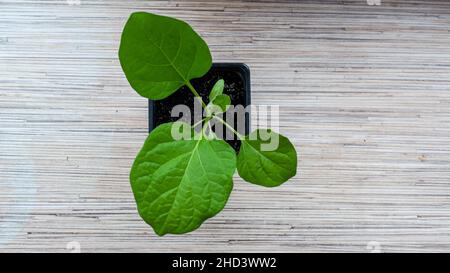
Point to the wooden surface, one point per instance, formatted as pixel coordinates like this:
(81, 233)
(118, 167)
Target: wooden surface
(364, 92)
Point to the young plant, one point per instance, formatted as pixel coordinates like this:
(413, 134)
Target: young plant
(178, 184)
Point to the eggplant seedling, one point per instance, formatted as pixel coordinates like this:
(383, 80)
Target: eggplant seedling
(179, 183)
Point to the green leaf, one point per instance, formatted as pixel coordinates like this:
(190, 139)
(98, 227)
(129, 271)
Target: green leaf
(217, 89)
(265, 161)
(223, 101)
(218, 105)
(160, 54)
(178, 184)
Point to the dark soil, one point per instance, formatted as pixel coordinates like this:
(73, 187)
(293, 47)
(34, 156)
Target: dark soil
(234, 87)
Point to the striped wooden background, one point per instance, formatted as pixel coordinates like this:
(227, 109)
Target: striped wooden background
(364, 92)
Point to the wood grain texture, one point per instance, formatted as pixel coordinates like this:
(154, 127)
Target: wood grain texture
(364, 92)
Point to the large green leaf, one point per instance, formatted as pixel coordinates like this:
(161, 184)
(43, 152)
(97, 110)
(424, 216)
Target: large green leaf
(160, 54)
(178, 184)
(266, 164)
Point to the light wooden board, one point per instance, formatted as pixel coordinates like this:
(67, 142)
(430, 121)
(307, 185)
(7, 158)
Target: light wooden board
(364, 92)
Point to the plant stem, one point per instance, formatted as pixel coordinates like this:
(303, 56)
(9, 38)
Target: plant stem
(188, 83)
(204, 126)
(197, 123)
(241, 137)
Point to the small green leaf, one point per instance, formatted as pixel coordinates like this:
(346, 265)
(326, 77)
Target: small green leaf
(223, 101)
(160, 54)
(266, 158)
(220, 104)
(178, 184)
(217, 89)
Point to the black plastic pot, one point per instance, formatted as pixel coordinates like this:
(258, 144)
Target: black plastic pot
(237, 86)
